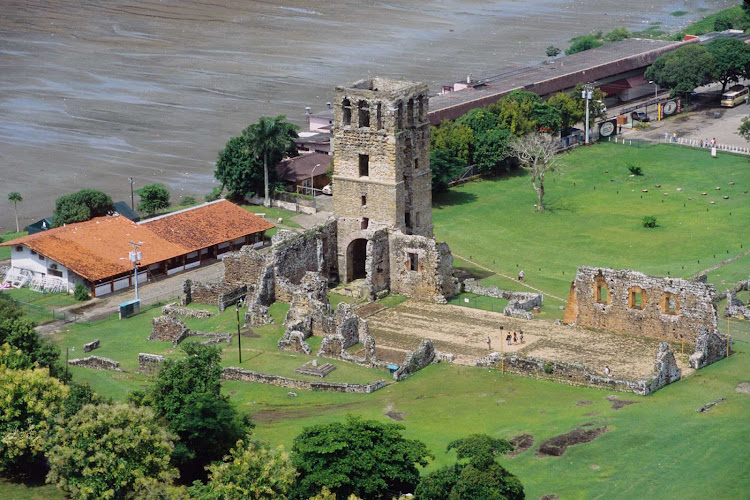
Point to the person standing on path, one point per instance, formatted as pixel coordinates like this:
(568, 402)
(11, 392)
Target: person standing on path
(515, 338)
(520, 335)
(489, 344)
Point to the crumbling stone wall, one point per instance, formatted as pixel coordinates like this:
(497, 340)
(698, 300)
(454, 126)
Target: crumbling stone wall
(525, 300)
(666, 371)
(710, 347)
(174, 310)
(294, 341)
(333, 347)
(96, 363)
(213, 337)
(310, 305)
(260, 298)
(735, 308)
(149, 363)
(634, 303)
(243, 266)
(421, 268)
(416, 360)
(169, 329)
(94, 344)
(292, 257)
(232, 373)
(230, 296)
(206, 293)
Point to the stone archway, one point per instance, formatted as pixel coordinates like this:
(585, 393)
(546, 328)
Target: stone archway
(356, 255)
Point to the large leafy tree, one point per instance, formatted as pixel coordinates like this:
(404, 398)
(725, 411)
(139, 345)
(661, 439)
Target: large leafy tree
(536, 152)
(683, 69)
(154, 197)
(523, 112)
(475, 475)
(731, 59)
(445, 168)
(270, 139)
(238, 170)
(187, 393)
(572, 108)
(489, 136)
(81, 206)
(31, 400)
(27, 348)
(15, 198)
(251, 470)
(110, 451)
(363, 457)
(456, 138)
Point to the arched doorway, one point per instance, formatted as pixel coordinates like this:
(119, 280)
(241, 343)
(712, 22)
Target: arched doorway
(355, 260)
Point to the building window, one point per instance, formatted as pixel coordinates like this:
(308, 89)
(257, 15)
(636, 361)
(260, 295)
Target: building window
(365, 223)
(601, 290)
(407, 220)
(412, 261)
(410, 113)
(53, 272)
(364, 114)
(41, 257)
(364, 200)
(33, 252)
(364, 165)
(379, 116)
(346, 118)
(19, 248)
(669, 304)
(636, 298)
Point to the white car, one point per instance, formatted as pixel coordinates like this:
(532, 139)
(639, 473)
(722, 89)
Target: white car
(327, 189)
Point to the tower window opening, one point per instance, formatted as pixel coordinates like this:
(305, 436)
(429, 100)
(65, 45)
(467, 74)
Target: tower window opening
(364, 165)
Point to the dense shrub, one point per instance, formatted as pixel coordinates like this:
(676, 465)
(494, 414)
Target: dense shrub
(649, 221)
(80, 292)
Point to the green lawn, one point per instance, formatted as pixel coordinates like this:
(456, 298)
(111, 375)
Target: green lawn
(593, 217)
(41, 307)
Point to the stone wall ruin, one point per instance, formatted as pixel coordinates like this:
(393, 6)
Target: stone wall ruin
(631, 302)
(96, 363)
(149, 363)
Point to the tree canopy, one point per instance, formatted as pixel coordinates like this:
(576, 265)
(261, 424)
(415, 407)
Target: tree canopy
(581, 43)
(731, 60)
(109, 451)
(363, 457)
(239, 171)
(154, 197)
(251, 470)
(445, 168)
(536, 152)
(572, 108)
(15, 198)
(187, 393)
(683, 69)
(81, 206)
(476, 475)
(270, 139)
(31, 401)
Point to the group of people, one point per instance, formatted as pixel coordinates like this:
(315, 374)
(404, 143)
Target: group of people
(708, 144)
(510, 338)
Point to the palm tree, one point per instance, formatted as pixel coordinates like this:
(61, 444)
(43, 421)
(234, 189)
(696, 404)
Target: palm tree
(15, 197)
(270, 138)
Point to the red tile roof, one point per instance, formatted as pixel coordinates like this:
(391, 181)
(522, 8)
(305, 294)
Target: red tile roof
(98, 248)
(206, 225)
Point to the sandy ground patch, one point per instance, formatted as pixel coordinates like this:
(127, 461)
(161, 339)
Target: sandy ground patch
(463, 332)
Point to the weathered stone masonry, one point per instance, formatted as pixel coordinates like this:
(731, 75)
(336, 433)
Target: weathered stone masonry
(631, 302)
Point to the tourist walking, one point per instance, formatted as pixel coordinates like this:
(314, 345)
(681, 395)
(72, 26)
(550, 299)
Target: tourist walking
(520, 275)
(489, 344)
(520, 336)
(508, 338)
(515, 338)
(607, 371)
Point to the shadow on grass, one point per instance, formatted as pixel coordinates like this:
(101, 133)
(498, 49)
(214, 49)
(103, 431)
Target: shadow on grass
(453, 197)
(554, 205)
(32, 479)
(469, 271)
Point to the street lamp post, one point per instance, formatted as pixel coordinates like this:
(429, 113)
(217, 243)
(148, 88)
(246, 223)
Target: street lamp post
(312, 180)
(587, 93)
(239, 334)
(135, 256)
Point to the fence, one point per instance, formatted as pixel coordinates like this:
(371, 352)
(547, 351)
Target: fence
(479, 302)
(681, 142)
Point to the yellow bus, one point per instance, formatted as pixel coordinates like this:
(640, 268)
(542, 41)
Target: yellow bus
(734, 96)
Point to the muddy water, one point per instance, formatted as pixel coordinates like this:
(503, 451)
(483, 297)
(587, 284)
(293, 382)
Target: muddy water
(94, 92)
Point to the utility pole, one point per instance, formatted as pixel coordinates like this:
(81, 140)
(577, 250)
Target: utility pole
(135, 255)
(587, 93)
(239, 334)
(132, 198)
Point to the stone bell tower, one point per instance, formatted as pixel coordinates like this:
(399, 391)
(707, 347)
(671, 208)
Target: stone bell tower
(381, 176)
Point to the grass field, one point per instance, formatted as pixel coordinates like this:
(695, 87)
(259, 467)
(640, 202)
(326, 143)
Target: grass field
(10, 235)
(594, 213)
(659, 447)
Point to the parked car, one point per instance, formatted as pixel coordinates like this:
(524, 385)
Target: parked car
(327, 189)
(639, 116)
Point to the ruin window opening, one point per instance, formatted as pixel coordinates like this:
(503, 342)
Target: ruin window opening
(669, 304)
(416, 164)
(356, 256)
(346, 118)
(412, 261)
(636, 298)
(364, 114)
(601, 290)
(364, 200)
(365, 223)
(410, 113)
(379, 116)
(364, 165)
(407, 220)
